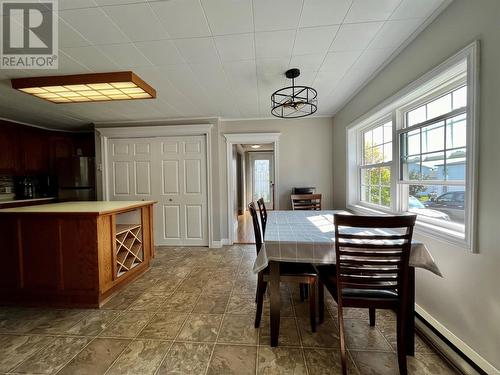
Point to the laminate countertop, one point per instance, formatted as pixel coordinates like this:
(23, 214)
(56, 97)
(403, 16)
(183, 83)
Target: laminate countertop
(94, 207)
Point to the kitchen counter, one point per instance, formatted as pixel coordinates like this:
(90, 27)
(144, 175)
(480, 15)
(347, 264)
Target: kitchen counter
(94, 207)
(25, 202)
(73, 254)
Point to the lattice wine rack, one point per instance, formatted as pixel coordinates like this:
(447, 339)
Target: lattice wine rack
(129, 252)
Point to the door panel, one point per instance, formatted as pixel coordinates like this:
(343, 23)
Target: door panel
(171, 171)
(262, 170)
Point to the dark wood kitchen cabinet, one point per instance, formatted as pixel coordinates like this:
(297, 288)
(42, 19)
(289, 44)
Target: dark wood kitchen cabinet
(26, 150)
(9, 149)
(34, 152)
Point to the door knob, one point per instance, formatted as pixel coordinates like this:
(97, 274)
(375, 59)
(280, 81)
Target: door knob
(170, 200)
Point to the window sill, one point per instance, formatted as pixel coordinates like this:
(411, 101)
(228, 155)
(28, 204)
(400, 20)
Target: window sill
(421, 228)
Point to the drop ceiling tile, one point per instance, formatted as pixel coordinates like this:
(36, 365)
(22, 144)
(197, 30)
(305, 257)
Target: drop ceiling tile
(117, 2)
(394, 33)
(307, 62)
(326, 82)
(314, 39)
(94, 25)
(355, 36)
(160, 52)
(182, 18)
(369, 10)
(277, 44)
(415, 9)
(92, 58)
(126, 56)
(272, 67)
(339, 61)
(235, 47)
(324, 12)
(73, 4)
(370, 60)
(276, 14)
(197, 50)
(229, 16)
(137, 21)
(69, 37)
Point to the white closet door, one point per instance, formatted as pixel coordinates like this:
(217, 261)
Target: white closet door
(171, 171)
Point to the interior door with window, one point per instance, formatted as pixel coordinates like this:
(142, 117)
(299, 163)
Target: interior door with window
(262, 169)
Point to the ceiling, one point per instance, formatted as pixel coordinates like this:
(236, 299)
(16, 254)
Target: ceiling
(218, 58)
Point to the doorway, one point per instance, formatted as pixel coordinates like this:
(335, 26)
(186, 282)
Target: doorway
(253, 178)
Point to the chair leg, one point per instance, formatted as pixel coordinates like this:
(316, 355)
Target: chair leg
(312, 303)
(371, 311)
(401, 342)
(261, 288)
(321, 301)
(301, 289)
(306, 291)
(343, 359)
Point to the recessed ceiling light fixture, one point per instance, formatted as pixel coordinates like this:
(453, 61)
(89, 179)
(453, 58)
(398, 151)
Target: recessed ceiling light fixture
(255, 146)
(294, 101)
(94, 87)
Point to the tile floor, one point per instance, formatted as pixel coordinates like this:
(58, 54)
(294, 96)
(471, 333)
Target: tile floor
(193, 313)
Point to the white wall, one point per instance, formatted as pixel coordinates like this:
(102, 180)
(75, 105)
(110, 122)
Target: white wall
(305, 156)
(467, 300)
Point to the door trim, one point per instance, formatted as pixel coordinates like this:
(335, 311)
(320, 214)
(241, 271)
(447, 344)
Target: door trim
(246, 138)
(107, 133)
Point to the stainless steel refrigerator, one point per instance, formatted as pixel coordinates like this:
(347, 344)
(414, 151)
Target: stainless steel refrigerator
(76, 179)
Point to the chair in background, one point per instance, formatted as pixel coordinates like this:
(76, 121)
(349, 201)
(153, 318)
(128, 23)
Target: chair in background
(371, 271)
(263, 215)
(302, 273)
(306, 201)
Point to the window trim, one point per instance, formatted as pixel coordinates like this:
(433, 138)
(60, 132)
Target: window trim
(413, 95)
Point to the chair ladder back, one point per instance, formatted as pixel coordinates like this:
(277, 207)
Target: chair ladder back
(256, 226)
(263, 214)
(375, 261)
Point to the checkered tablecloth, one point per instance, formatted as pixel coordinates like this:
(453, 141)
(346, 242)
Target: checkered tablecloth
(309, 237)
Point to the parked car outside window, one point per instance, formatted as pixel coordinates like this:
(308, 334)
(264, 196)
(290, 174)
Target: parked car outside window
(416, 207)
(452, 203)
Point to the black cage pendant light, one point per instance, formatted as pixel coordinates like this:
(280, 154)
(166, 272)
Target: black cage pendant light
(294, 101)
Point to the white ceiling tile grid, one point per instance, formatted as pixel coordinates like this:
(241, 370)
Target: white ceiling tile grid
(221, 57)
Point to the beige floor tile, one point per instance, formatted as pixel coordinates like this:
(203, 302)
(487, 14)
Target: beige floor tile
(289, 335)
(281, 361)
(127, 324)
(95, 358)
(148, 301)
(122, 300)
(326, 335)
(233, 359)
(380, 363)
(388, 329)
(327, 362)
(212, 303)
(15, 349)
(238, 329)
(186, 359)
(54, 356)
(241, 304)
(60, 321)
(200, 328)
(180, 301)
(140, 357)
(93, 323)
(360, 336)
(164, 326)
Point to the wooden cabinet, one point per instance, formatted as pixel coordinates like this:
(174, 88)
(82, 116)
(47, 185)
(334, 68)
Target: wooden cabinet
(27, 150)
(9, 149)
(34, 152)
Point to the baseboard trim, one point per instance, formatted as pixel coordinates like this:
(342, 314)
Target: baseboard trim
(462, 356)
(225, 242)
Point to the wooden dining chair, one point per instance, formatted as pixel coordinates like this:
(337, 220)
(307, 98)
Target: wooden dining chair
(302, 273)
(263, 215)
(371, 271)
(306, 201)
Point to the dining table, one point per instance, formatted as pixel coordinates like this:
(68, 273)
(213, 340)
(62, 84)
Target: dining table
(309, 237)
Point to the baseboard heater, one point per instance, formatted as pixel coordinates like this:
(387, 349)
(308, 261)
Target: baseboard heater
(456, 359)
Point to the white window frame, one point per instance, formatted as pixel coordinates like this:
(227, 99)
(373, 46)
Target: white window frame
(431, 85)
